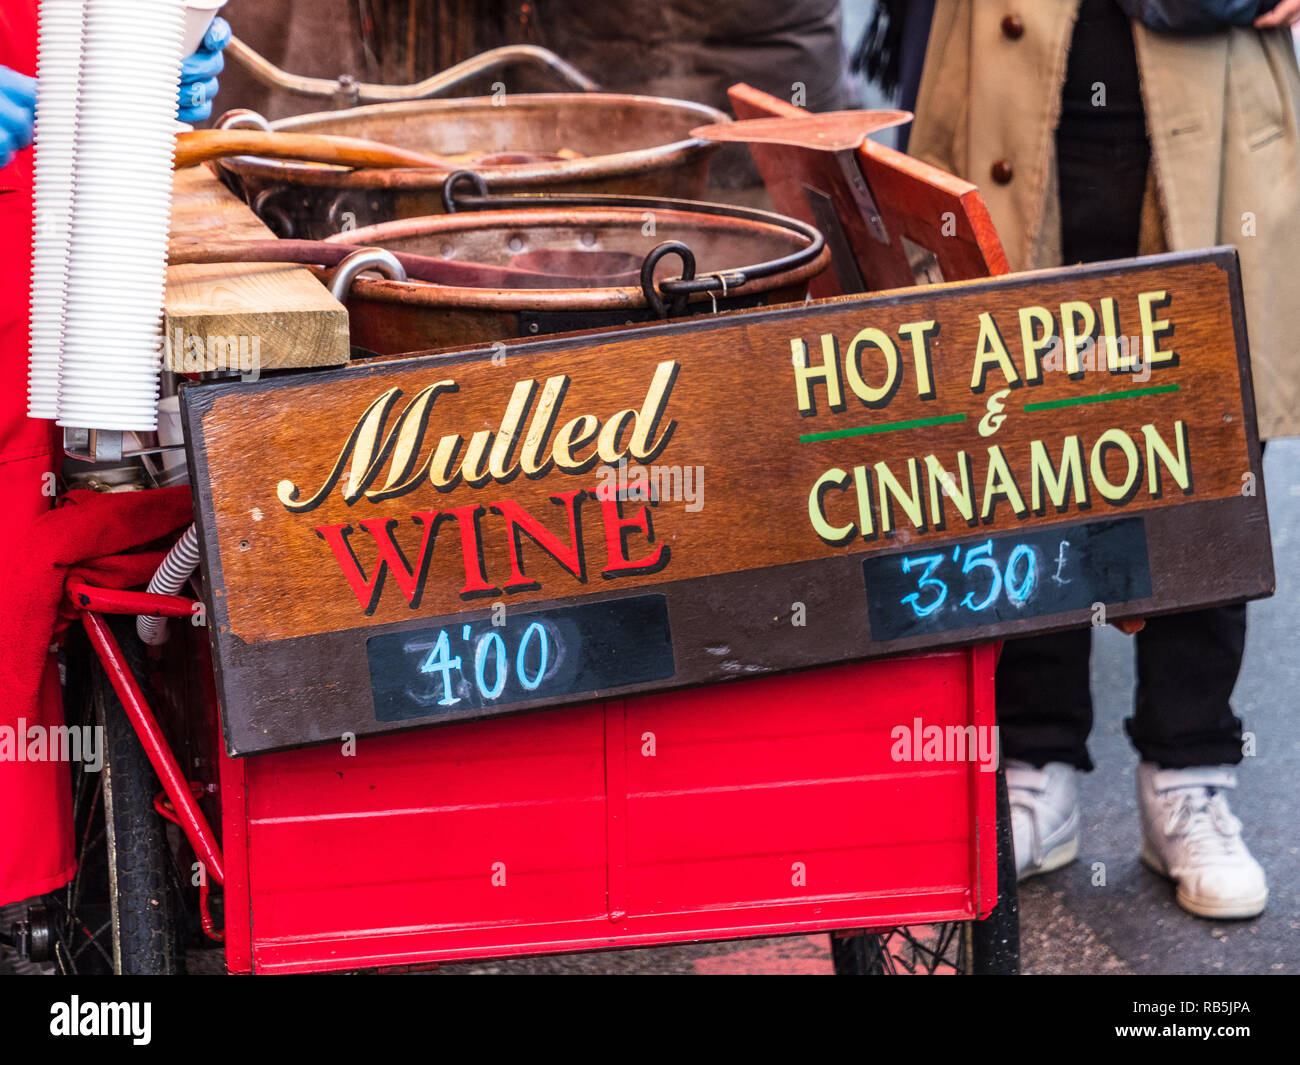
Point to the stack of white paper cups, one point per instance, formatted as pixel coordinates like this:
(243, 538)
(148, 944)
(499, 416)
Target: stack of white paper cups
(112, 342)
(58, 72)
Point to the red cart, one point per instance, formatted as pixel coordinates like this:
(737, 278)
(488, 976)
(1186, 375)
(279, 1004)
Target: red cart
(762, 807)
(759, 808)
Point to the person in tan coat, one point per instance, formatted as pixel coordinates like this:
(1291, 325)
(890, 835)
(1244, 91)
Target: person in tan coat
(1222, 116)
(1095, 136)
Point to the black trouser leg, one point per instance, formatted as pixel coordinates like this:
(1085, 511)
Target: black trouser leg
(1187, 667)
(1043, 699)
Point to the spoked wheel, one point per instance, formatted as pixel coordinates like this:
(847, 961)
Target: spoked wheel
(990, 947)
(919, 950)
(121, 911)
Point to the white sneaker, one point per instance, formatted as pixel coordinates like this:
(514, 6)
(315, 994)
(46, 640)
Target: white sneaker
(1190, 836)
(1044, 815)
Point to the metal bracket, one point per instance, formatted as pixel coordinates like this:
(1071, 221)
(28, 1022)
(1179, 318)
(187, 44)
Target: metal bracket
(843, 261)
(105, 445)
(93, 445)
(848, 162)
(347, 93)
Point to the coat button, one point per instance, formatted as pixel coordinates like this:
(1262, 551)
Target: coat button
(1002, 172)
(1013, 28)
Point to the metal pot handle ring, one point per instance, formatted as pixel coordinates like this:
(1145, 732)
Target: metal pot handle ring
(676, 303)
(385, 262)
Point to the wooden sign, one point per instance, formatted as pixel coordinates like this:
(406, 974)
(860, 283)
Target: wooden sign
(450, 536)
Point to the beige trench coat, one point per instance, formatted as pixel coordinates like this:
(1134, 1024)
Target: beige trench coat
(1222, 113)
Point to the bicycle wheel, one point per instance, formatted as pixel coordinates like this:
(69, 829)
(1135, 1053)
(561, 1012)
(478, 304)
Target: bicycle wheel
(121, 911)
(990, 947)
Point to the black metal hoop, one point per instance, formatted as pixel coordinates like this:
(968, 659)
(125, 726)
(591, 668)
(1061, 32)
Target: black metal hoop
(678, 289)
(456, 177)
(677, 300)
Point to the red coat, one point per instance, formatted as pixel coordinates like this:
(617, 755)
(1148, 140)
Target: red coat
(36, 850)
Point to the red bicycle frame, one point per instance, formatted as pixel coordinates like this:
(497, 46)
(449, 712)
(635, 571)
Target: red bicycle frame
(93, 602)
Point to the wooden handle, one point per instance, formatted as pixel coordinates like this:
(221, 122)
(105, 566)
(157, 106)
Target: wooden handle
(201, 145)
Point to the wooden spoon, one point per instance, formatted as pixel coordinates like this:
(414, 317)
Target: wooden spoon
(202, 145)
(831, 131)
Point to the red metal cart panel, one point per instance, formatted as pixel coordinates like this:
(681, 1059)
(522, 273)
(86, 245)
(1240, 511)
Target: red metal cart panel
(763, 807)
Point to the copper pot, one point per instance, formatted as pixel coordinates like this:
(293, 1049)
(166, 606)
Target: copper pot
(549, 142)
(598, 266)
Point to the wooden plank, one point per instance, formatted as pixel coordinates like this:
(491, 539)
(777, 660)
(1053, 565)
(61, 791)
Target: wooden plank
(277, 316)
(951, 475)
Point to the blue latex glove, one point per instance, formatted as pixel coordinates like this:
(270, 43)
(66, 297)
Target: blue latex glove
(17, 113)
(199, 73)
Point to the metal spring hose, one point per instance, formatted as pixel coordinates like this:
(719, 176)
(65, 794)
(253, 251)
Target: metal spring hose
(170, 578)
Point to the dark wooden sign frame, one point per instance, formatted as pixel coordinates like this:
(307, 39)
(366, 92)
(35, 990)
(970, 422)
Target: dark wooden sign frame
(946, 474)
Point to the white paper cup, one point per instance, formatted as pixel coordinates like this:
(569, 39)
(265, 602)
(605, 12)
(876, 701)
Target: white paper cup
(108, 405)
(198, 17)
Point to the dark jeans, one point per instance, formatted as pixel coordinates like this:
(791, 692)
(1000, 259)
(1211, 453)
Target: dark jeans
(1187, 664)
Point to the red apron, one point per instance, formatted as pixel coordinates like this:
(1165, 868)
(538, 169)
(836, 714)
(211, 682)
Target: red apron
(36, 847)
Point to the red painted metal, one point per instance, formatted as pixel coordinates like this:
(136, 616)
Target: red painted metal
(116, 601)
(982, 663)
(766, 807)
(164, 805)
(191, 819)
(210, 928)
(166, 810)
(237, 898)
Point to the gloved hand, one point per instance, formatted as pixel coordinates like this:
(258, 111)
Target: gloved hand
(199, 73)
(17, 113)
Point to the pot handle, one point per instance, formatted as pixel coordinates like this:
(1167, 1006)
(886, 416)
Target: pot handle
(676, 303)
(359, 261)
(454, 180)
(346, 91)
(242, 118)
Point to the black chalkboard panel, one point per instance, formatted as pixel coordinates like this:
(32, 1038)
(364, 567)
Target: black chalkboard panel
(1006, 578)
(452, 665)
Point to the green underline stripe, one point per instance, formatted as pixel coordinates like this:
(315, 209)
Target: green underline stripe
(1078, 401)
(883, 427)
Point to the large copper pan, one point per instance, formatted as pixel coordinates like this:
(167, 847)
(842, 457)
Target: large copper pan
(551, 142)
(611, 265)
